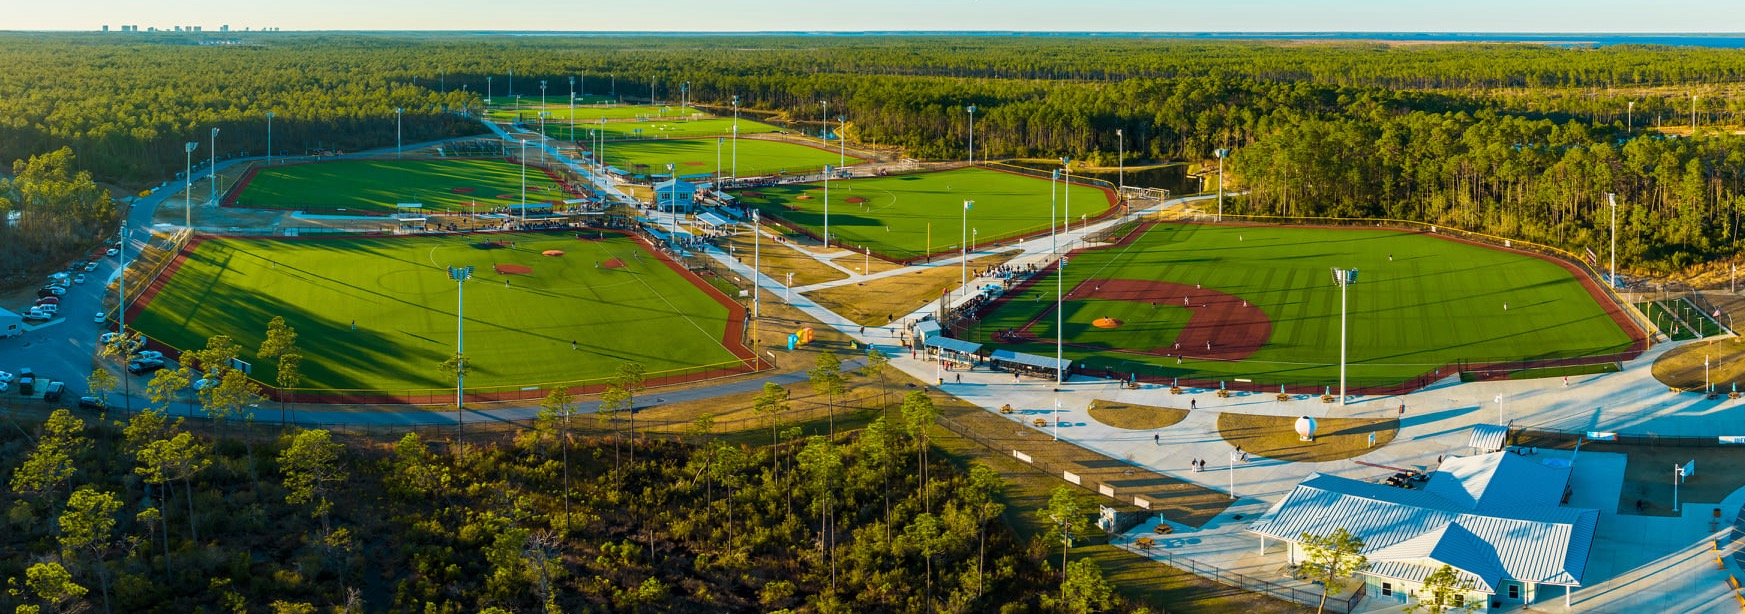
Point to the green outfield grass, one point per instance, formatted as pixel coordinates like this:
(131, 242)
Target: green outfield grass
(658, 129)
(376, 186)
(697, 157)
(398, 293)
(586, 114)
(503, 101)
(901, 211)
(1421, 302)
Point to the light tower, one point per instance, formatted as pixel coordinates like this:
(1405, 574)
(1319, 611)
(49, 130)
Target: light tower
(269, 138)
(1221, 154)
(735, 136)
(1344, 278)
(398, 112)
(213, 170)
(972, 135)
(460, 275)
(188, 183)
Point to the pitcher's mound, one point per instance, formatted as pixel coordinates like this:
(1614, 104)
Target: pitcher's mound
(461, 190)
(691, 163)
(1107, 323)
(513, 269)
(854, 200)
(553, 252)
(613, 264)
(505, 196)
(804, 197)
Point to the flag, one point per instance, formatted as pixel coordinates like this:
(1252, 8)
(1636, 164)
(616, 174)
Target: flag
(968, 204)
(1592, 258)
(1499, 399)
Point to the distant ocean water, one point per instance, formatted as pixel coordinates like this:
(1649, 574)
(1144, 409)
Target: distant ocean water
(1720, 40)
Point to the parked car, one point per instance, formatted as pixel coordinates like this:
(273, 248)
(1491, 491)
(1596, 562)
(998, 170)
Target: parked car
(79, 279)
(26, 384)
(111, 252)
(49, 300)
(35, 315)
(144, 366)
(149, 354)
(52, 393)
(90, 266)
(204, 383)
(53, 291)
(92, 403)
(101, 317)
(6, 377)
(4, 386)
(50, 308)
(108, 337)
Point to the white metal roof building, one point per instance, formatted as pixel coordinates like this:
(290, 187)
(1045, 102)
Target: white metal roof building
(1495, 518)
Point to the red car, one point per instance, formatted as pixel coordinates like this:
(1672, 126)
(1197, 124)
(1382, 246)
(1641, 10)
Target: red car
(49, 300)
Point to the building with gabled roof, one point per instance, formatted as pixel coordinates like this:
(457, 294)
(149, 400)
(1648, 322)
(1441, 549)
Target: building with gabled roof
(1495, 518)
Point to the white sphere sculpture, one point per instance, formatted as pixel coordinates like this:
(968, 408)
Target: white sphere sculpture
(1306, 428)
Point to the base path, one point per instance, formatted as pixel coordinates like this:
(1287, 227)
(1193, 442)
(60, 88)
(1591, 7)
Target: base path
(1221, 327)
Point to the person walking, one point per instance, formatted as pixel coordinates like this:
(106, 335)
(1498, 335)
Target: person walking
(1193, 403)
(573, 344)
(960, 378)
(1156, 440)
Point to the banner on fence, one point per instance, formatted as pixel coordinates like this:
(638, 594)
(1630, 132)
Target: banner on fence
(1142, 503)
(1106, 490)
(1022, 456)
(1601, 436)
(1732, 440)
(1071, 477)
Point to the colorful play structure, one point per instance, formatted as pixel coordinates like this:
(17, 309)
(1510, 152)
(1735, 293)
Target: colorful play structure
(800, 337)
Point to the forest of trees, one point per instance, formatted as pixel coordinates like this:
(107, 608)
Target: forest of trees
(1522, 140)
(61, 215)
(140, 513)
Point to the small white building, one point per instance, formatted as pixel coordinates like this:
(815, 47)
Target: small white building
(1495, 518)
(675, 194)
(11, 324)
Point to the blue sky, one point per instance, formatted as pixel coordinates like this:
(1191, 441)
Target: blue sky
(810, 15)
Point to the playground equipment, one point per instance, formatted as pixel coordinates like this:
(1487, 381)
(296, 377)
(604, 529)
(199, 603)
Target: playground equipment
(800, 337)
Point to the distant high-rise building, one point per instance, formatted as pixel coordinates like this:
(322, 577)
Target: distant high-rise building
(224, 28)
(196, 28)
(105, 28)
(178, 28)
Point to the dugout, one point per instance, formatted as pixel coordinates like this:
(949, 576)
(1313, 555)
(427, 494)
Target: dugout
(1029, 363)
(955, 350)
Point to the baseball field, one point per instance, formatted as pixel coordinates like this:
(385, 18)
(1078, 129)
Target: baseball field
(376, 186)
(906, 216)
(589, 113)
(697, 157)
(531, 297)
(1224, 303)
(654, 129)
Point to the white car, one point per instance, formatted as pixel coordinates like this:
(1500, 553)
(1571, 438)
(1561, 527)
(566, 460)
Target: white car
(204, 383)
(90, 266)
(4, 386)
(108, 337)
(79, 279)
(112, 251)
(150, 354)
(101, 318)
(6, 377)
(49, 309)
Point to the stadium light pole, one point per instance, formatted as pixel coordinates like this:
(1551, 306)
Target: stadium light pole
(718, 142)
(269, 138)
(756, 263)
(1612, 199)
(1630, 117)
(1343, 277)
(963, 248)
(121, 316)
(512, 84)
(573, 103)
(672, 203)
(1120, 161)
(460, 275)
(188, 182)
(824, 133)
(600, 151)
(1221, 153)
(1693, 116)
(735, 136)
(827, 206)
(841, 142)
(213, 170)
(542, 138)
(524, 181)
(972, 135)
(651, 100)
(398, 112)
(1059, 282)
(613, 93)
(542, 93)
(488, 89)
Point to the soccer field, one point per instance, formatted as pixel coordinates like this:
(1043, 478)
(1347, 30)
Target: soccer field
(589, 113)
(376, 186)
(906, 216)
(1264, 298)
(693, 157)
(518, 326)
(656, 129)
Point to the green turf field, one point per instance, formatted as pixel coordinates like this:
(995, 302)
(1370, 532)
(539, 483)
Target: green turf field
(376, 186)
(585, 114)
(658, 129)
(1433, 303)
(894, 220)
(697, 157)
(398, 293)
